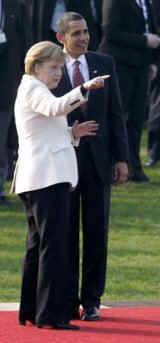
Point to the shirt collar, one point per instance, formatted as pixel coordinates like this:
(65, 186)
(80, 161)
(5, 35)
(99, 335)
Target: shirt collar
(70, 60)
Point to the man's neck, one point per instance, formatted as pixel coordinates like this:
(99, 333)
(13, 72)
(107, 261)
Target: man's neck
(74, 56)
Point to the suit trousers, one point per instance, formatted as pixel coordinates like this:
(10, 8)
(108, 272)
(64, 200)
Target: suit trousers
(6, 116)
(154, 125)
(134, 86)
(94, 200)
(46, 280)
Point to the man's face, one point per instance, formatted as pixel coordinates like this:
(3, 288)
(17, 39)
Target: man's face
(76, 39)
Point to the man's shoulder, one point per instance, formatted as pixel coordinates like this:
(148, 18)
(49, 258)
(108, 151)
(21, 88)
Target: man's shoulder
(100, 57)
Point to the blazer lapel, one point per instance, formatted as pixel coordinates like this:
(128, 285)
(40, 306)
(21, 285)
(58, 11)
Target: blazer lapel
(67, 79)
(138, 9)
(95, 96)
(154, 16)
(64, 85)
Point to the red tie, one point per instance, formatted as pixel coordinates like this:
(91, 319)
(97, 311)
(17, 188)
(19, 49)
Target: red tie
(78, 80)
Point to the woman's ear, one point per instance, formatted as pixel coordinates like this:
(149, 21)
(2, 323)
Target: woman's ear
(36, 68)
(60, 37)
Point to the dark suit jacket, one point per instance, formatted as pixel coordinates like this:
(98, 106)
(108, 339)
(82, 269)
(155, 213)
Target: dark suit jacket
(42, 11)
(123, 32)
(104, 106)
(12, 59)
(156, 4)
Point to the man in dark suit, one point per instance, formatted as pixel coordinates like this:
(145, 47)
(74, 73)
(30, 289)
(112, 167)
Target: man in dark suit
(13, 43)
(96, 158)
(130, 35)
(154, 108)
(46, 13)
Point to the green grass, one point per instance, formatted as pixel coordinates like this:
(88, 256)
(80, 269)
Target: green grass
(134, 248)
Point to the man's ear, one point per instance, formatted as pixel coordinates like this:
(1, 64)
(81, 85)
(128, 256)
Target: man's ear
(60, 37)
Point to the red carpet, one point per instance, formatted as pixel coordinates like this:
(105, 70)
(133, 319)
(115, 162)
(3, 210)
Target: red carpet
(118, 325)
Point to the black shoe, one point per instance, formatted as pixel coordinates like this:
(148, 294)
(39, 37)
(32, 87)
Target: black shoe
(90, 314)
(59, 326)
(24, 321)
(76, 314)
(66, 326)
(140, 176)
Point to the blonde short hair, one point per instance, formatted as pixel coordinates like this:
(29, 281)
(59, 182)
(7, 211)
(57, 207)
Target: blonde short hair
(42, 52)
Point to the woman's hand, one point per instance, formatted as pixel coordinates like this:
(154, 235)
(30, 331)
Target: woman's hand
(88, 128)
(97, 82)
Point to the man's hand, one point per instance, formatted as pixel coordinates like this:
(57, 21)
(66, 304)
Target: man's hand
(120, 173)
(153, 72)
(153, 40)
(97, 82)
(88, 128)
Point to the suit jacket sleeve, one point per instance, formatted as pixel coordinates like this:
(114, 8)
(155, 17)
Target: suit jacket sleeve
(119, 137)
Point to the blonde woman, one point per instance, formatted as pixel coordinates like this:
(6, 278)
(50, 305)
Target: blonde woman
(45, 173)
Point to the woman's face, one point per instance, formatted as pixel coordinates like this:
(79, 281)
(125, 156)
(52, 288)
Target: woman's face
(49, 72)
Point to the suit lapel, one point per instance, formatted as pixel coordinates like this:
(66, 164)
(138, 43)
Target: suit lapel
(92, 66)
(95, 96)
(153, 15)
(151, 12)
(64, 85)
(67, 79)
(136, 7)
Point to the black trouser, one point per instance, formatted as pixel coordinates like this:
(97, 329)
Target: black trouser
(134, 85)
(46, 273)
(6, 117)
(154, 125)
(95, 202)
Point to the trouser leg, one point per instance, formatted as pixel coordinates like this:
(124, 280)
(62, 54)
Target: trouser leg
(50, 211)
(95, 217)
(30, 266)
(137, 117)
(74, 241)
(5, 120)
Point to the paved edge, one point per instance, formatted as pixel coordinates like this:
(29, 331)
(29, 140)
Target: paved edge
(15, 307)
(106, 305)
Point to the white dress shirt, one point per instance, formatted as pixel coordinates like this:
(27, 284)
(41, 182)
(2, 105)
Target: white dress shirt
(83, 67)
(59, 10)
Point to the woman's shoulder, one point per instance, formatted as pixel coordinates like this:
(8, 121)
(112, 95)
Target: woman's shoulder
(29, 83)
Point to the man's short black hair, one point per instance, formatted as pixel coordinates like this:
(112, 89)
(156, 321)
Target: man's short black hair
(63, 21)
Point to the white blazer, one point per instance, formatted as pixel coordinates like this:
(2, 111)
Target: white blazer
(46, 155)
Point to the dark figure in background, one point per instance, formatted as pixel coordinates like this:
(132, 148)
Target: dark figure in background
(46, 12)
(96, 158)
(154, 111)
(13, 44)
(130, 35)
(154, 124)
